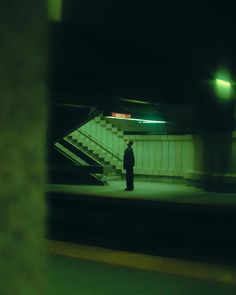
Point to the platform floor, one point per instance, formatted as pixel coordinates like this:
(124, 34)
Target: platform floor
(68, 276)
(168, 192)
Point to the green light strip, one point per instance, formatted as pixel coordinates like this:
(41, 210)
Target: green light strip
(139, 120)
(151, 122)
(135, 101)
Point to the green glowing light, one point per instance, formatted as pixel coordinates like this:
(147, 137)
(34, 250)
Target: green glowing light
(151, 122)
(143, 121)
(223, 86)
(54, 10)
(135, 101)
(222, 83)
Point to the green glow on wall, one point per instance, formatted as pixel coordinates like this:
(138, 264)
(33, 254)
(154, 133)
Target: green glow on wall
(54, 10)
(222, 83)
(223, 86)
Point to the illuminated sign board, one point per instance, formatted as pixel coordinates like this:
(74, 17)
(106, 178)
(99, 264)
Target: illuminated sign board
(121, 116)
(118, 115)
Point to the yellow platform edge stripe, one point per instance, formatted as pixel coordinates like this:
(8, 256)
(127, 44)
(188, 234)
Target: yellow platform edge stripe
(184, 268)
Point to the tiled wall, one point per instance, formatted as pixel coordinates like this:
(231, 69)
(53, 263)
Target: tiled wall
(188, 156)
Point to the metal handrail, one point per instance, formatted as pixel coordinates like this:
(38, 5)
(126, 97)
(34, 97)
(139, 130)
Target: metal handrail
(81, 149)
(100, 144)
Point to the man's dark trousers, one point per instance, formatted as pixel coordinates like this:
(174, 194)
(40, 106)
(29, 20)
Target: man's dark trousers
(130, 178)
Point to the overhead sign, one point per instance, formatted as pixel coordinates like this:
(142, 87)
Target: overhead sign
(119, 115)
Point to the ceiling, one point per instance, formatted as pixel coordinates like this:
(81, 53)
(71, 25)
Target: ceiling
(162, 52)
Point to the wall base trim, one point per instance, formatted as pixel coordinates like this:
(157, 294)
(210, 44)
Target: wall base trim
(159, 178)
(211, 183)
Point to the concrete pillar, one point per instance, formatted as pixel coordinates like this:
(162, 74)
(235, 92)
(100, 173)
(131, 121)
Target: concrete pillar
(218, 158)
(23, 116)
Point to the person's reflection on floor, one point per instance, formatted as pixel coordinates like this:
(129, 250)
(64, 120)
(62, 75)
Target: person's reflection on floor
(128, 165)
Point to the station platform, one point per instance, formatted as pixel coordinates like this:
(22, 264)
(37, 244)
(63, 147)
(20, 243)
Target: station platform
(74, 269)
(161, 219)
(153, 191)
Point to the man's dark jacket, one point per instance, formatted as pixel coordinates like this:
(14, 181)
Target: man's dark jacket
(129, 161)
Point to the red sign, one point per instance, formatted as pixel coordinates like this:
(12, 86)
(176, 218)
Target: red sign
(118, 115)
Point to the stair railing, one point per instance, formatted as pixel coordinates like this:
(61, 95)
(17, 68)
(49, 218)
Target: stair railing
(103, 146)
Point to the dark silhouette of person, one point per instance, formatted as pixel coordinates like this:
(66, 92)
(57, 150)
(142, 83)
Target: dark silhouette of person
(128, 165)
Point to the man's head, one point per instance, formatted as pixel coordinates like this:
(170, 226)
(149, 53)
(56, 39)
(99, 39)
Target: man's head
(130, 143)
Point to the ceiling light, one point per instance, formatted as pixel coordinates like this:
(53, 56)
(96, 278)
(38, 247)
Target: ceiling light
(223, 83)
(142, 121)
(135, 101)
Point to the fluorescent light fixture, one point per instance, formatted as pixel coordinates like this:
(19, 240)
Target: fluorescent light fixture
(144, 121)
(72, 105)
(223, 87)
(135, 101)
(151, 122)
(223, 83)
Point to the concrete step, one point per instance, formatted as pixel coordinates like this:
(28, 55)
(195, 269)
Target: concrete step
(89, 148)
(84, 143)
(119, 166)
(72, 136)
(75, 135)
(99, 152)
(114, 130)
(113, 177)
(120, 133)
(108, 126)
(108, 158)
(91, 144)
(80, 137)
(103, 123)
(97, 119)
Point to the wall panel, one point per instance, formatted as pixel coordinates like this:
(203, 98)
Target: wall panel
(187, 156)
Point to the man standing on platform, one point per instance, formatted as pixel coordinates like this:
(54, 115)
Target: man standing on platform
(129, 163)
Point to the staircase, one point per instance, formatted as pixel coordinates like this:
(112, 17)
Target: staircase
(76, 167)
(101, 140)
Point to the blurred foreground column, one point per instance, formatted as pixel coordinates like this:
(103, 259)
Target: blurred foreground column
(23, 117)
(214, 153)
